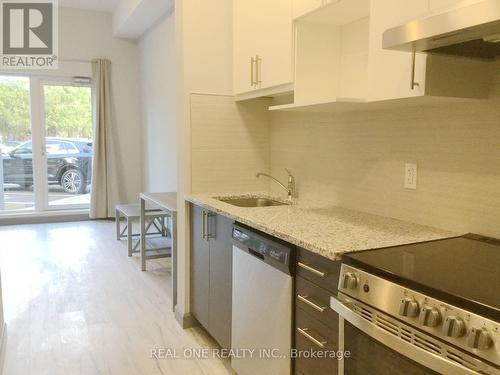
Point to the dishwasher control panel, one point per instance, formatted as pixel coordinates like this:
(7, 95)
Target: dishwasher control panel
(268, 249)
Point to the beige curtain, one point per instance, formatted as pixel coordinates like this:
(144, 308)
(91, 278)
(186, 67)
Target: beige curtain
(101, 192)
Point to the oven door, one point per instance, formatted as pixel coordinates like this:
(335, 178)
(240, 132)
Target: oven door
(381, 345)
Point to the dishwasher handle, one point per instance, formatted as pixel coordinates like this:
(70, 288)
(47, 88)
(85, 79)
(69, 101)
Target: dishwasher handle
(255, 254)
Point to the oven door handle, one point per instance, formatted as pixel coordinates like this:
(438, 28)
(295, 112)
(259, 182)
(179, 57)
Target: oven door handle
(441, 365)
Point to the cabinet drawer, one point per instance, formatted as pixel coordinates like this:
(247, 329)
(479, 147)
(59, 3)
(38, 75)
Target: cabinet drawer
(312, 334)
(319, 270)
(315, 301)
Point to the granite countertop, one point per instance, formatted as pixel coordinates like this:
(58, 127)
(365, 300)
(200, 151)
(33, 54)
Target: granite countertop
(326, 230)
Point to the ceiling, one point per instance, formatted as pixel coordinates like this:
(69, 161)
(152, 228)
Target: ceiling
(102, 5)
(131, 18)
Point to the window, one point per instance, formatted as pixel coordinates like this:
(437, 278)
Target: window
(55, 148)
(23, 149)
(70, 148)
(46, 154)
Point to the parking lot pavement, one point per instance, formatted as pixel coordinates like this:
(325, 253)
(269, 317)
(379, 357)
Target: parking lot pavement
(17, 198)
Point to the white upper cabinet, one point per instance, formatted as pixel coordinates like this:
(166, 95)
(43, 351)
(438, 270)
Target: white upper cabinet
(442, 4)
(301, 7)
(262, 46)
(332, 53)
(245, 45)
(390, 72)
(340, 62)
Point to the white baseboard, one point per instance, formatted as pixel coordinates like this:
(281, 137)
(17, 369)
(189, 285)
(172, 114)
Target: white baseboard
(44, 217)
(3, 346)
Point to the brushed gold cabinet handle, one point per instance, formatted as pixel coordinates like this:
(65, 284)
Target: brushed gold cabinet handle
(307, 301)
(258, 61)
(311, 269)
(305, 332)
(412, 81)
(204, 226)
(252, 62)
(209, 235)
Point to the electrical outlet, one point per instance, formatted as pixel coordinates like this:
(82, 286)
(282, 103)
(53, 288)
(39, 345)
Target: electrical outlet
(410, 176)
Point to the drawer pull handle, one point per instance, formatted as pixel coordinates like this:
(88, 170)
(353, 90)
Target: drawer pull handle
(311, 269)
(204, 225)
(305, 332)
(307, 301)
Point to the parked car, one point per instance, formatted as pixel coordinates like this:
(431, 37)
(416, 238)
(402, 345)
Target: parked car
(69, 163)
(8, 146)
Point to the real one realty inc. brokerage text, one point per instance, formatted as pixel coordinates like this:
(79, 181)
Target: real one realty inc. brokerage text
(261, 353)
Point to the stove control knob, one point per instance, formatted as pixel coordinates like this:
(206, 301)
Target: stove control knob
(453, 326)
(479, 338)
(408, 307)
(349, 281)
(429, 316)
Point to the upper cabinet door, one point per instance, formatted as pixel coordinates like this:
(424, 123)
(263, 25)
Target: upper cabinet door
(390, 72)
(275, 43)
(245, 44)
(262, 44)
(442, 4)
(301, 7)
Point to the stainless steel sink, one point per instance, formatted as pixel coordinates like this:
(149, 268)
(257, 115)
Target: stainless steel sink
(252, 202)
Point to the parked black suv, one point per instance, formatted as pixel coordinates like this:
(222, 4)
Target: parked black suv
(69, 162)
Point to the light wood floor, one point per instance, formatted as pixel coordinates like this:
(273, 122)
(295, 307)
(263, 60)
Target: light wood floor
(76, 304)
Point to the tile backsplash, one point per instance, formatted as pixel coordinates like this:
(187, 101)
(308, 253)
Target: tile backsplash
(357, 160)
(229, 144)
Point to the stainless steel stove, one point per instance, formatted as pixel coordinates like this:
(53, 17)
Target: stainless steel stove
(434, 307)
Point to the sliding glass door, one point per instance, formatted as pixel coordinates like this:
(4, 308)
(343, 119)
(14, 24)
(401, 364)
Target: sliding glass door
(46, 143)
(16, 145)
(68, 144)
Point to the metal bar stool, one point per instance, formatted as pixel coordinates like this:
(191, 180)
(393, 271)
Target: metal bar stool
(131, 213)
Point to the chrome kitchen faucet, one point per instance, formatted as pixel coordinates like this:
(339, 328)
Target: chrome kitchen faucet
(290, 189)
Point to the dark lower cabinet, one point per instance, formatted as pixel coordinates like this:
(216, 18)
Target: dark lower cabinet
(368, 356)
(211, 273)
(319, 270)
(200, 267)
(220, 283)
(316, 325)
(311, 338)
(315, 301)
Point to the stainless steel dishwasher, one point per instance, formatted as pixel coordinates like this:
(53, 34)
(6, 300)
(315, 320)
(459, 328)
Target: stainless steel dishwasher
(262, 303)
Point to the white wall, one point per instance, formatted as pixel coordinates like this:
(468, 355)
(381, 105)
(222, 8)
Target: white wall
(204, 60)
(158, 90)
(84, 35)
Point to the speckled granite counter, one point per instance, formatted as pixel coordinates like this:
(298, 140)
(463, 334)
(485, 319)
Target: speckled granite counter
(328, 231)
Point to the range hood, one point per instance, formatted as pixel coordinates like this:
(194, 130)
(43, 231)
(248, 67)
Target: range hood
(471, 28)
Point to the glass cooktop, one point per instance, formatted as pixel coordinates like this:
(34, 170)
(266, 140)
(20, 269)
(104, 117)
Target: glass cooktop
(463, 271)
